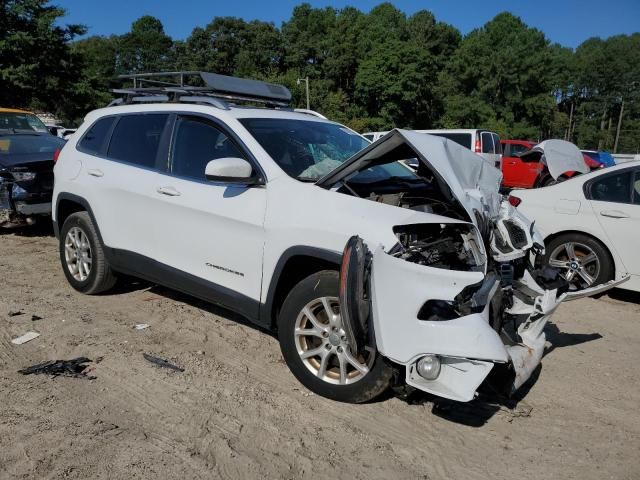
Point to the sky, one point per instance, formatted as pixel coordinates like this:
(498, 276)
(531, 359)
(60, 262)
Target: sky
(568, 22)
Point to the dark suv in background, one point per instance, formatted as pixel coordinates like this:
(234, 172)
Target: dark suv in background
(27, 155)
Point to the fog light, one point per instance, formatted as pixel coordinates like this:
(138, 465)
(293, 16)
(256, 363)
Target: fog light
(428, 367)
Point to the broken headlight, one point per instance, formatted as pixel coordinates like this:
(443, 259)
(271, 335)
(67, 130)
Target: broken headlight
(447, 246)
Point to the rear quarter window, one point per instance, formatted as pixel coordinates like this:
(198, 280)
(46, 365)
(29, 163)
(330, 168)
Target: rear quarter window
(94, 141)
(613, 187)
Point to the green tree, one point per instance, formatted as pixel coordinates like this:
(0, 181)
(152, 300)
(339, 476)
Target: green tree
(36, 65)
(146, 48)
(503, 73)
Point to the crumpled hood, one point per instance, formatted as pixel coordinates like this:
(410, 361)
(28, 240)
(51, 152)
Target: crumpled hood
(559, 156)
(460, 172)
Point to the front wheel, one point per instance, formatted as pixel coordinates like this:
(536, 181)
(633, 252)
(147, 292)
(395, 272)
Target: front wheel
(315, 347)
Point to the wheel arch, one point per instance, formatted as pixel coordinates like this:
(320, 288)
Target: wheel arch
(612, 256)
(295, 264)
(68, 204)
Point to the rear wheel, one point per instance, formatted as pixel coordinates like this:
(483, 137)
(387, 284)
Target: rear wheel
(315, 346)
(582, 260)
(82, 256)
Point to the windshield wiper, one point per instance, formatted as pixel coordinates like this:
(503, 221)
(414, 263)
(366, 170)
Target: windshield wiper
(307, 179)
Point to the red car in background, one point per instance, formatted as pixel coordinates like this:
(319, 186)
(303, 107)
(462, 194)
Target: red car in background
(517, 173)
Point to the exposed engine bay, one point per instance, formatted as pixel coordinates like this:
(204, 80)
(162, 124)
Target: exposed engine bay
(448, 246)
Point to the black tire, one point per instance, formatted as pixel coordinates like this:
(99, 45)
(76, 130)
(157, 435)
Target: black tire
(607, 268)
(100, 278)
(316, 286)
(548, 180)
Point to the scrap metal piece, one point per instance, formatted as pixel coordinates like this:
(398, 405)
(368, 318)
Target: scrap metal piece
(160, 362)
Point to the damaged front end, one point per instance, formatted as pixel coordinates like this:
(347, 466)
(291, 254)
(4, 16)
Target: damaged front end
(455, 298)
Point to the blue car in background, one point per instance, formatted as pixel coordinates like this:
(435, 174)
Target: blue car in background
(605, 158)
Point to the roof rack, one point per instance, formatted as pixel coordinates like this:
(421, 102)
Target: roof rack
(200, 87)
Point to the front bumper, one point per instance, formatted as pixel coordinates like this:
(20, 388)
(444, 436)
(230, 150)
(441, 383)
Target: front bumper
(467, 346)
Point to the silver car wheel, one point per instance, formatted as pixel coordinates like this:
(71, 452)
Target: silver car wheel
(77, 254)
(322, 344)
(578, 263)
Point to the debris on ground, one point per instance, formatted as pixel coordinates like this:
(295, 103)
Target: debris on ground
(141, 326)
(160, 362)
(15, 313)
(27, 337)
(77, 367)
(35, 318)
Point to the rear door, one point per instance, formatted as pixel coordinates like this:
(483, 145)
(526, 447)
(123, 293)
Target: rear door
(121, 177)
(615, 198)
(211, 233)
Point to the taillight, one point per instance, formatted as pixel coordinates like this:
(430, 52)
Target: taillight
(515, 201)
(56, 154)
(478, 146)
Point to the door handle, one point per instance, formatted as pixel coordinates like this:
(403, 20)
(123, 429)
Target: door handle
(95, 173)
(613, 214)
(169, 191)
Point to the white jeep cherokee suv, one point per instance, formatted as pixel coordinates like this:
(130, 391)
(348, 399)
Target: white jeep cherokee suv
(363, 267)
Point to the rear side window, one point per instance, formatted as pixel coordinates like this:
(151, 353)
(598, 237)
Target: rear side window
(614, 187)
(463, 139)
(487, 143)
(197, 142)
(93, 141)
(136, 138)
(636, 188)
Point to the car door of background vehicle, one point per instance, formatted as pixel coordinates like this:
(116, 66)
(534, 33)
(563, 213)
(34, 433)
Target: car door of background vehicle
(517, 173)
(615, 198)
(122, 176)
(211, 231)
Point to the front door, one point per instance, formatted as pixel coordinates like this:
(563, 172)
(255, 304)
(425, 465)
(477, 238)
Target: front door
(212, 233)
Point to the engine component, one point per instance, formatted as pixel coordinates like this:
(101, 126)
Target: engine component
(450, 247)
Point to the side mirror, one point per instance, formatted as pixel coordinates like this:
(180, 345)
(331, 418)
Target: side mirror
(230, 170)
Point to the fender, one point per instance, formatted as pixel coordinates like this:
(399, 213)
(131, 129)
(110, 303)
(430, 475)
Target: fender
(323, 254)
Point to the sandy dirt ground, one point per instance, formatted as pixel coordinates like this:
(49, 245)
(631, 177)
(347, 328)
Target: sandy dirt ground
(237, 412)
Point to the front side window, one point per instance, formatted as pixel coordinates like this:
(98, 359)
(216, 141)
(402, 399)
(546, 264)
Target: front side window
(136, 138)
(636, 188)
(516, 149)
(614, 187)
(196, 142)
(94, 140)
(308, 150)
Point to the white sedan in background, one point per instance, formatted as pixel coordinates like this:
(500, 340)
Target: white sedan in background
(591, 225)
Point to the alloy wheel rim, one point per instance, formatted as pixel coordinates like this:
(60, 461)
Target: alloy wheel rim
(579, 264)
(77, 254)
(322, 344)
